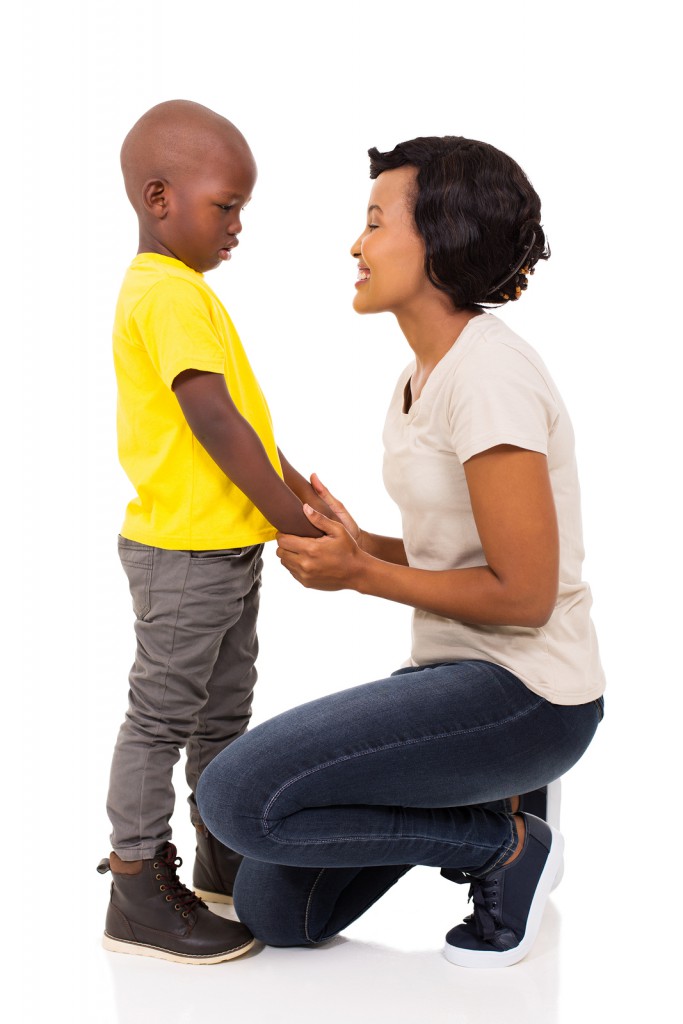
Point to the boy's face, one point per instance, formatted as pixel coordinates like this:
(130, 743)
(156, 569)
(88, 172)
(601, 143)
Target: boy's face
(202, 216)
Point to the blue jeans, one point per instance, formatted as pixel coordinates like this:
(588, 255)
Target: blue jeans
(333, 801)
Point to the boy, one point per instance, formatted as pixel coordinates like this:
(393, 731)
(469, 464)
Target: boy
(196, 441)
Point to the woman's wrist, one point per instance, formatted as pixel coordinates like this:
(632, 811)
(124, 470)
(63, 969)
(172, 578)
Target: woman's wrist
(364, 568)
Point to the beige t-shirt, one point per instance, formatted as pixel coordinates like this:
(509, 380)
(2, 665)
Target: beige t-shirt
(490, 388)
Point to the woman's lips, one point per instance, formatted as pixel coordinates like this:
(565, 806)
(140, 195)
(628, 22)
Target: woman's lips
(363, 275)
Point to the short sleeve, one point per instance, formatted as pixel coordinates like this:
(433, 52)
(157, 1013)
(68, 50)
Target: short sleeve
(174, 324)
(498, 396)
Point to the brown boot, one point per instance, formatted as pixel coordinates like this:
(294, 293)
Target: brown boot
(215, 868)
(153, 914)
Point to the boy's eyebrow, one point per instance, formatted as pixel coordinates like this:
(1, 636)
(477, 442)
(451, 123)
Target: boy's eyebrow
(227, 195)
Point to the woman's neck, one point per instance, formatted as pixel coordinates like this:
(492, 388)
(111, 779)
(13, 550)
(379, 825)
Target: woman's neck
(431, 333)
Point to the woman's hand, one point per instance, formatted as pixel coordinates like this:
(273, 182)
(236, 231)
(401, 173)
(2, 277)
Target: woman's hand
(331, 562)
(388, 549)
(339, 510)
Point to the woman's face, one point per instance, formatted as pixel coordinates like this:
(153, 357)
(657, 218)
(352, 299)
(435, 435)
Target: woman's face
(390, 252)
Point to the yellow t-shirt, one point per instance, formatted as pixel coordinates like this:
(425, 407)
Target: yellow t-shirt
(168, 320)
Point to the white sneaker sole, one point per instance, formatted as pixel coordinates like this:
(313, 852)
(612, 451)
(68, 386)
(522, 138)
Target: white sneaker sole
(140, 949)
(487, 959)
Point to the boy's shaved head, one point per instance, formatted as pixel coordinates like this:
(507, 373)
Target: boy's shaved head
(171, 141)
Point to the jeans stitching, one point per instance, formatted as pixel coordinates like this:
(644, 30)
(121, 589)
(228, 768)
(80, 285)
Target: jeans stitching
(389, 746)
(508, 849)
(374, 838)
(308, 903)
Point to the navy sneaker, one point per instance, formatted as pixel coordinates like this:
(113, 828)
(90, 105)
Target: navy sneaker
(508, 903)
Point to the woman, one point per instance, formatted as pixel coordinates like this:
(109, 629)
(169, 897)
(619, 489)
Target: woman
(333, 801)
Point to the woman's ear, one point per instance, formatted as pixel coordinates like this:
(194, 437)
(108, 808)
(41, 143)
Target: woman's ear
(155, 198)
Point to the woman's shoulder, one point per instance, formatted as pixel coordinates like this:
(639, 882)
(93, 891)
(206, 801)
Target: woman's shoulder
(491, 336)
(492, 349)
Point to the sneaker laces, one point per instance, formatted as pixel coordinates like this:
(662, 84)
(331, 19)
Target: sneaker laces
(484, 897)
(166, 861)
(486, 918)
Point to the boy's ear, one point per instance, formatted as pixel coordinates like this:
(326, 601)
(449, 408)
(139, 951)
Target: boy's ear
(155, 198)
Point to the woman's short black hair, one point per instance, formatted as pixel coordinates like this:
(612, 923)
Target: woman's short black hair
(478, 214)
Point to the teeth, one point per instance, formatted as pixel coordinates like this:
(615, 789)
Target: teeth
(363, 275)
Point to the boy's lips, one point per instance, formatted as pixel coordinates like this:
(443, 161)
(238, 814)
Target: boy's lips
(225, 253)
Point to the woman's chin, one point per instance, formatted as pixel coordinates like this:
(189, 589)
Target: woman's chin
(361, 304)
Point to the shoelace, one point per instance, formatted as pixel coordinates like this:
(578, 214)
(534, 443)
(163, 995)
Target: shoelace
(166, 861)
(484, 896)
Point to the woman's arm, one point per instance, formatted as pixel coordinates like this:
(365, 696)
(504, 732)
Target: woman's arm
(514, 512)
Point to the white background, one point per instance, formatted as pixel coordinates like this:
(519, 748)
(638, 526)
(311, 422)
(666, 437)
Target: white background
(585, 97)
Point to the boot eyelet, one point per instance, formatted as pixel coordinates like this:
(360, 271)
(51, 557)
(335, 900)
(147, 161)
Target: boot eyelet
(177, 907)
(185, 913)
(162, 888)
(169, 898)
(158, 878)
(155, 865)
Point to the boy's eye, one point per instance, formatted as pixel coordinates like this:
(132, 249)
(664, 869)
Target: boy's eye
(227, 206)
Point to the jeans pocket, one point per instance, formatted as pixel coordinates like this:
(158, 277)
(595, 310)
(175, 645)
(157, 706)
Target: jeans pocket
(137, 561)
(257, 568)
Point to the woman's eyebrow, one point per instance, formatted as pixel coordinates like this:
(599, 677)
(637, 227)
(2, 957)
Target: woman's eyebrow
(375, 207)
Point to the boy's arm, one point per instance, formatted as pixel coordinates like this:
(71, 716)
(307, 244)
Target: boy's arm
(304, 490)
(235, 446)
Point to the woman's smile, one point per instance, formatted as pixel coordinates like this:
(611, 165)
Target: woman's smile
(363, 274)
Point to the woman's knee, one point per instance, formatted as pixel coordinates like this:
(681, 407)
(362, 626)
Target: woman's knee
(227, 801)
(272, 901)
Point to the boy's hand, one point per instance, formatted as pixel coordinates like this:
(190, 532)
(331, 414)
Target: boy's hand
(331, 562)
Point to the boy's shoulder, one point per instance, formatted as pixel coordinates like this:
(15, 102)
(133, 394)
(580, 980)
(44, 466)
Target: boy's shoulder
(152, 279)
(151, 268)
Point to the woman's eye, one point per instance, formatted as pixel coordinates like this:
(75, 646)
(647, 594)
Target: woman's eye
(371, 227)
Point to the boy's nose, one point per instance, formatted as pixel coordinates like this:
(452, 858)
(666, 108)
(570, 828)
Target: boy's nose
(235, 225)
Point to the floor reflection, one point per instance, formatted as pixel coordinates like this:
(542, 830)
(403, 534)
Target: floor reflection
(344, 980)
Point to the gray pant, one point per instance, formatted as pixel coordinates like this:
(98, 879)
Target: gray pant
(191, 684)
